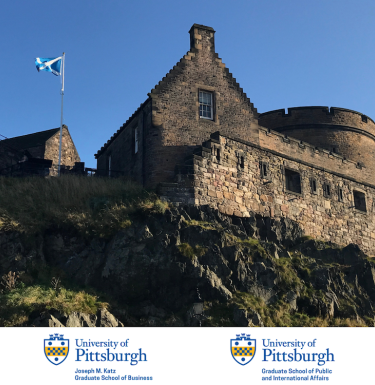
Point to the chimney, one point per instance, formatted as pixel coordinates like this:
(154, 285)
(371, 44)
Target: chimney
(202, 38)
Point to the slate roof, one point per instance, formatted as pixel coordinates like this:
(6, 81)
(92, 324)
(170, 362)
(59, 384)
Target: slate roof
(31, 140)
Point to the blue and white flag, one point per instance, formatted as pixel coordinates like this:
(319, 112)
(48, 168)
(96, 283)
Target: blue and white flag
(49, 64)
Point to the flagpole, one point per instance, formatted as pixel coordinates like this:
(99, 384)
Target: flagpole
(62, 103)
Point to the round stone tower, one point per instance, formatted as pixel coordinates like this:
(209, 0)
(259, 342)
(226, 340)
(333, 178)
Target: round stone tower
(345, 132)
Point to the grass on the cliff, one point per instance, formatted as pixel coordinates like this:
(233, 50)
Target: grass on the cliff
(274, 315)
(16, 305)
(90, 205)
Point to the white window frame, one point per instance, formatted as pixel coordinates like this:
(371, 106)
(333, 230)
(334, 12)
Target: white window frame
(203, 104)
(135, 140)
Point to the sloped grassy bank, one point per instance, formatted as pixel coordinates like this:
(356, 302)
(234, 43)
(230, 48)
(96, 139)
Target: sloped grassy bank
(112, 244)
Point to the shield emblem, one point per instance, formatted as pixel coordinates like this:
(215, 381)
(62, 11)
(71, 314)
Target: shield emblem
(243, 348)
(56, 348)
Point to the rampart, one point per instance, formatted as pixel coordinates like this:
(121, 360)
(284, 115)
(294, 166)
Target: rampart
(240, 178)
(338, 130)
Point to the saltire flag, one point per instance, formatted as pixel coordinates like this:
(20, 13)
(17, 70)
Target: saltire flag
(49, 64)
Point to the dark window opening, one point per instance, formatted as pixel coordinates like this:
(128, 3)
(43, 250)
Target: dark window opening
(340, 194)
(218, 155)
(293, 181)
(264, 170)
(135, 140)
(334, 150)
(364, 118)
(109, 164)
(326, 190)
(313, 186)
(242, 164)
(359, 200)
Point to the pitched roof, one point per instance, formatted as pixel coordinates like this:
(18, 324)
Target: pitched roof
(30, 140)
(122, 128)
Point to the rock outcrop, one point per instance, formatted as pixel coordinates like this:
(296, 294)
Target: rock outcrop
(153, 269)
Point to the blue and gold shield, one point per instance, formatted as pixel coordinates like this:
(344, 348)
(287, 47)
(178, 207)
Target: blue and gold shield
(243, 348)
(56, 348)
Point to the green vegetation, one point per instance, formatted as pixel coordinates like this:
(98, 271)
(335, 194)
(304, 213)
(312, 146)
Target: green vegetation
(253, 245)
(17, 305)
(20, 296)
(277, 314)
(205, 225)
(90, 206)
(190, 252)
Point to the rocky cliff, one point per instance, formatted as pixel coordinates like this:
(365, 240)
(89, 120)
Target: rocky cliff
(248, 271)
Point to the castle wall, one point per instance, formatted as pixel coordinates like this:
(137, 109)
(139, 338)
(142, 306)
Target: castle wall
(339, 130)
(124, 160)
(177, 126)
(234, 184)
(317, 157)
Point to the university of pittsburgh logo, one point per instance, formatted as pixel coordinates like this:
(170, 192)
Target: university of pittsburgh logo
(243, 348)
(56, 348)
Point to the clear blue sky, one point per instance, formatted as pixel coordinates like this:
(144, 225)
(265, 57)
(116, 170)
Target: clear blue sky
(284, 53)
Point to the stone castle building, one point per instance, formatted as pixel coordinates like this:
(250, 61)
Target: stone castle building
(201, 141)
(43, 145)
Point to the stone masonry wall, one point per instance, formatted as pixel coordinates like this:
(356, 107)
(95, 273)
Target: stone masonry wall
(177, 126)
(69, 153)
(237, 190)
(121, 147)
(346, 132)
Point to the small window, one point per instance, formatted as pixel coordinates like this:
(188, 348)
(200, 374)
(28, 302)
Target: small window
(313, 186)
(135, 140)
(218, 155)
(242, 163)
(340, 195)
(326, 190)
(264, 173)
(109, 164)
(205, 105)
(359, 200)
(293, 181)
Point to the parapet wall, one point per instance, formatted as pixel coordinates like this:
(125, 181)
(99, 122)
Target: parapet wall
(317, 115)
(232, 181)
(339, 130)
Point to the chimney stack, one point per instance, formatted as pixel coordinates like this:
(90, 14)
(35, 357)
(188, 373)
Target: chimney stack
(202, 37)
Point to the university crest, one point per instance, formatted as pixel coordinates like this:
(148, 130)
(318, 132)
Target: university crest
(243, 348)
(56, 348)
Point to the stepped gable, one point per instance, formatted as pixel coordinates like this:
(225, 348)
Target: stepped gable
(122, 128)
(194, 47)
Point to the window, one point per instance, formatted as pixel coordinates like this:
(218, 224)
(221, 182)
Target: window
(135, 140)
(359, 200)
(218, 155)
(109, 164)
(205, 105)
(326, 190)
(313, 186)
(293, 181)
(242, 163)
(340, 194)
(264, 170)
